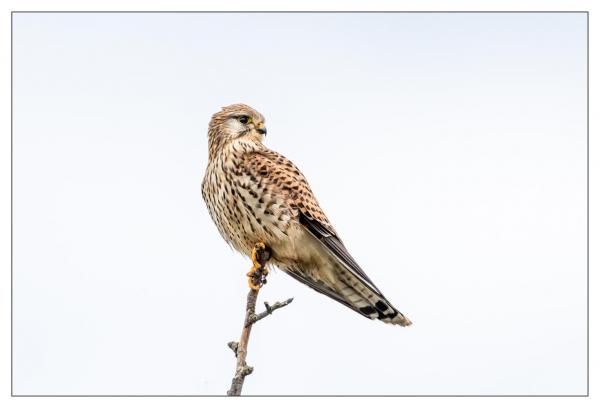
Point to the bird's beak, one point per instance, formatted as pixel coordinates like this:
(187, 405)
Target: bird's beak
(261, 129)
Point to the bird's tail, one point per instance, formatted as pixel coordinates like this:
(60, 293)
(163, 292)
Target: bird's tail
(368, 300)
(352, 293)
(350, 284)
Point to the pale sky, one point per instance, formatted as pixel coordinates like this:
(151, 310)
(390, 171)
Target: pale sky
(448, 150)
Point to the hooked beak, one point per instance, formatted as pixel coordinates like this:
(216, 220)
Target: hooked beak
(261, 129)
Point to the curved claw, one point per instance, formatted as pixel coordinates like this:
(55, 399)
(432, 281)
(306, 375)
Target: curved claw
(260, 255)
(257, 277)
(251, 284)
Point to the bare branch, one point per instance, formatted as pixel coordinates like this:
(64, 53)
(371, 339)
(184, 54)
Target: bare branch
(269, 310)
(262, 255)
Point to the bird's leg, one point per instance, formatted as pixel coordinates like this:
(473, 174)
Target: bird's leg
(257, 275)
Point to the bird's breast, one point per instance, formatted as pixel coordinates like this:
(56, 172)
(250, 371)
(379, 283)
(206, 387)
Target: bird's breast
(246, 209)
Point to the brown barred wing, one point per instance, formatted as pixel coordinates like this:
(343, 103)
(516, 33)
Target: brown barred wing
(280, 177)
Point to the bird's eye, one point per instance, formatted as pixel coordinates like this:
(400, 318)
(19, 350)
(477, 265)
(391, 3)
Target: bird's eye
(244, 119)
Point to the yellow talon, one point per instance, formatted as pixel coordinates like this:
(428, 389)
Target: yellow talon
(256, 276)
(252, 285)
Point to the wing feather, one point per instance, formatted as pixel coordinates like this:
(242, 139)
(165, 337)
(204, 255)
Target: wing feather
(318, 286)
(281, 173)
(335, 246)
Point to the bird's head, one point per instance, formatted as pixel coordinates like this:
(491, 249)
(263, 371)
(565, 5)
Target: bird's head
(234, 122)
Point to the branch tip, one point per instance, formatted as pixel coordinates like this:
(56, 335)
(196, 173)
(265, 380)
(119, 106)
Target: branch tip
(233, 345)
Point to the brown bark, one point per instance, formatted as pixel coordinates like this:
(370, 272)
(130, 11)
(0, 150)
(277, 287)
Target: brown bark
(240, 348)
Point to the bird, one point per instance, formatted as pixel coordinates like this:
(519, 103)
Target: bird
(259, 199)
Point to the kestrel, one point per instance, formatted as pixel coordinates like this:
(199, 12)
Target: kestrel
(256, 196)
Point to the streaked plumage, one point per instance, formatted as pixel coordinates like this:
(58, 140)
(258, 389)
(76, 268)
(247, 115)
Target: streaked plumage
(255, 195)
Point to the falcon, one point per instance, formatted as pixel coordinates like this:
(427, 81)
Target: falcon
(258, 199)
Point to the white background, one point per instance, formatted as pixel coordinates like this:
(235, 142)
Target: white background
(447, 149)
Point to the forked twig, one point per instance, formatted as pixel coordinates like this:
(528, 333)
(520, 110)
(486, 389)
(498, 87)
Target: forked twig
(240, 348)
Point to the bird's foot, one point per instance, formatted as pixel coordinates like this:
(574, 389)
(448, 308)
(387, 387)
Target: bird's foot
(257, 276)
